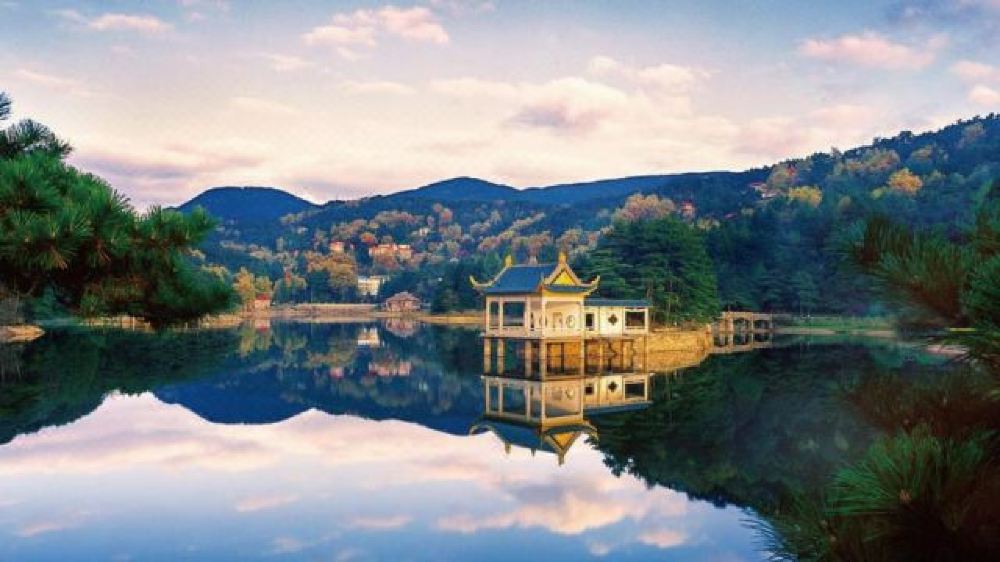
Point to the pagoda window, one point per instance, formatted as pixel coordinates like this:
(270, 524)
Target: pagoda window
(513, 314)
(635, 319)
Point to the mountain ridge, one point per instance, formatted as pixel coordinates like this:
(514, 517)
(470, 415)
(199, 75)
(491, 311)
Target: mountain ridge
(247, 203)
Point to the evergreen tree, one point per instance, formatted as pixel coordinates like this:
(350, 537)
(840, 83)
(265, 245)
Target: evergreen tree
(70, 233)
(663, 260)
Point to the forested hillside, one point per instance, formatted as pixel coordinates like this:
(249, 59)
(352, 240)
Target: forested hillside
(773, 234)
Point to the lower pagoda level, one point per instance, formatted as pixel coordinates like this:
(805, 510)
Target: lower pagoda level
(532, 358)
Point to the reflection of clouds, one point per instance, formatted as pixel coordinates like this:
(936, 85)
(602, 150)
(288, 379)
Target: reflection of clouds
(50, 524)
(259, 503)
(382, 523)
(569, 505)
(662, 538)
(392, 472)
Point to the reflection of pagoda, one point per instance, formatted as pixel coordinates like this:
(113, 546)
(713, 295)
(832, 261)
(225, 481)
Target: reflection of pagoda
(544, 405)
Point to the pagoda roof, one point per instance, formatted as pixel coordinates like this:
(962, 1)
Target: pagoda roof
(520, 279)
(555, 439)
(534, 277)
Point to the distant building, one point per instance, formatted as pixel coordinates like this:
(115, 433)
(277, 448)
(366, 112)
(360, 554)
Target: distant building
(399, 251)
(765, 191)
(262, 302)
(370, 285)
(402, 302)
(688, 210)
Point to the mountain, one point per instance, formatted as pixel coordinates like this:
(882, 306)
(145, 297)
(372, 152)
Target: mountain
(773, 232)
(462, 189)
(248, 203)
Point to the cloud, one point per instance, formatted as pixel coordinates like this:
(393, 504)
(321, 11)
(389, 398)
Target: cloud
(383, 523)
(52, 81)
(262, 106)
(569, 105)
(783, 136)
(141, 23)
(985, 95)
(378, 87)
(871, 50)
(360, 29)
(134, 22)
(43, 79)
(172, 172)
(843, 115)
(973, 71)
(286, 63)
(463, 7)
(260, 503)
(416, 24)
(616, 95)
(668, 78)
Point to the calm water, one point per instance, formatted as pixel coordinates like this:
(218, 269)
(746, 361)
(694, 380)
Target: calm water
(351, 442)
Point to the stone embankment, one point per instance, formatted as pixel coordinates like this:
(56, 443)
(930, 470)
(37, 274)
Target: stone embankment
(674, 348)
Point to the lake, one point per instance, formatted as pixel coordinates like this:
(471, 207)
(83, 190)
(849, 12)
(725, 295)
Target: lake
(312, 441)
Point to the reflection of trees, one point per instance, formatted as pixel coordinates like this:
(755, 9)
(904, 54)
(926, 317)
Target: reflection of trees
(67, 374)
(929, 489)
(846, 453)
(339, 352)
(747, 429)
(252, 339)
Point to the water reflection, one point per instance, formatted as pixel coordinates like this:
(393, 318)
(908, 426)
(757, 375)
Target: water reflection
(538, 394)
(306, 441)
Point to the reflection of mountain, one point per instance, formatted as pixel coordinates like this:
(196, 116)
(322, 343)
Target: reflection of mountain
(402, 378)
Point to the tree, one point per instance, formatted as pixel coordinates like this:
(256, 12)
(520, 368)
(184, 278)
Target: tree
(940, 282)
(662, 260)
(905, 181)
(806, 293)
(808, 195)
(644, 207)
(27, 136)
(70, 233)
(245, 287)
(340, 269)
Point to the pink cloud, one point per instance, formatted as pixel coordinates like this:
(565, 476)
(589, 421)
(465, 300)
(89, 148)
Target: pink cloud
(362, 27)
(133, 22)
(985, 95)
(872, 50)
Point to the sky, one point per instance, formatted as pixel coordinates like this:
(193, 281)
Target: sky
(346, 99)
